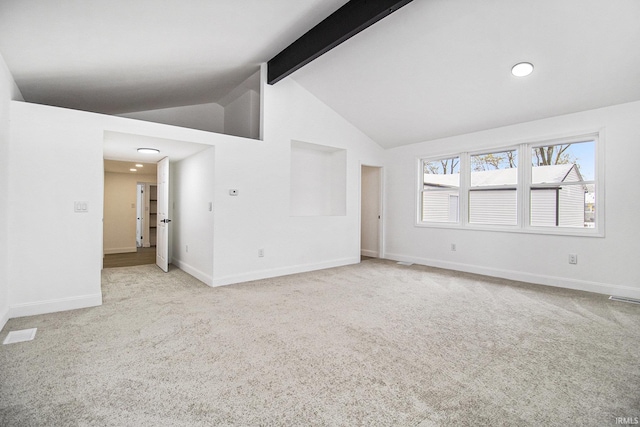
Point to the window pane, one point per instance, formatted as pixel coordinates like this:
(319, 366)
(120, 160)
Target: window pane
(590, 206)
(565, 206)
(440, 190)
(564, 200)
(493, 169)
(563, 163)
(440, 206)
(445, 171)
(495, 206)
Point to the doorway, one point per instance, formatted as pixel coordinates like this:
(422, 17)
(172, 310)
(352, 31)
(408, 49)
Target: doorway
(371, 212)
(128, 223)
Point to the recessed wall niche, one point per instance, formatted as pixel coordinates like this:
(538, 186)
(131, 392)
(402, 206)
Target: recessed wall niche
(318, 180)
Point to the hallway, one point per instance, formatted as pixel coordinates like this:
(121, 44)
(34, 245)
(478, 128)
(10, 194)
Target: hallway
(141, 257)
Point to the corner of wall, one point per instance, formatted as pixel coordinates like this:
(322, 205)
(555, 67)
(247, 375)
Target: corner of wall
(8, 91)
(4, 317)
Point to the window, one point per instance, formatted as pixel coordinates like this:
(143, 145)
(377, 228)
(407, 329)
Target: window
(543, 187)
(440, 190)
(493, 190)
(563, 185)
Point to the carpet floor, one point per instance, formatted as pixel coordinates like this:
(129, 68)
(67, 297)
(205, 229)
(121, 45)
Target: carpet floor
(371, 344)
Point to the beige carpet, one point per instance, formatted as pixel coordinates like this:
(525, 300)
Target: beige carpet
(374, 344)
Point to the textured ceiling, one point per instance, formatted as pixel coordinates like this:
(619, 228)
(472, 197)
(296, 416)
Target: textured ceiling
(434, 68)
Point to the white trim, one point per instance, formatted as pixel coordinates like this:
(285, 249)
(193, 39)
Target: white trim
(381, 222)
(52, 306)
(381, 210)
(558, 282)
(126, 250)
(283, 271)
(203, 277)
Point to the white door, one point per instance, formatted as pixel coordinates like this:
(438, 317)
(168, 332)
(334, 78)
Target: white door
(162, 243)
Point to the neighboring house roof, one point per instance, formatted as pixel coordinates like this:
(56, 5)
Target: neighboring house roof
(540, 175)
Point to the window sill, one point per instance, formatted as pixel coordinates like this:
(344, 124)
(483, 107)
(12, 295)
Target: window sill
(578, 232)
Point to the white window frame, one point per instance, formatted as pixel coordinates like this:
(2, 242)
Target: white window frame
(517, 186)
(523, 187)
(421, 190)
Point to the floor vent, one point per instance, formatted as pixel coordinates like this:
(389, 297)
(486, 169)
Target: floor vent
(20, 336)
(404, 263)
(625, 299)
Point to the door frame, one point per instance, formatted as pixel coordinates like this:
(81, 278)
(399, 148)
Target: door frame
(381, 219)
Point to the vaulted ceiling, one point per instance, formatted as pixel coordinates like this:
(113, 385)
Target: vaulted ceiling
(432, 69)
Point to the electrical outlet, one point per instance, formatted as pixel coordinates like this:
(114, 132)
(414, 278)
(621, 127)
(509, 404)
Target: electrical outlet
(261, 252)
(573, 258)
(187, 248)
(453, 247)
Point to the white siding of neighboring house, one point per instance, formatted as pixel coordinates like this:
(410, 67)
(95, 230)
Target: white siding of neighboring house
(497, 207)
(543, 207)
(572, 202)
(440, 205)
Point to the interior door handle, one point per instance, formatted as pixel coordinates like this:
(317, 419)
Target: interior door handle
(166, 221)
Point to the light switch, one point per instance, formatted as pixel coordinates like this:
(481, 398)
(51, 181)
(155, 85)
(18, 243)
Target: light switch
(81, 207)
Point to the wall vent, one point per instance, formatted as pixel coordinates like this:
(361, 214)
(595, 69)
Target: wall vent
(20, 336)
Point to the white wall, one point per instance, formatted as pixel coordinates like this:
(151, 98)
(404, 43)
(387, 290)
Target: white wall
(55, 253)
(607, 265)
(209, 117)
(242, 116)
(193, 194)
(120, 199)
(8, 91)
(66, 147)
(242, 108)
(317, 179)
(261, 172)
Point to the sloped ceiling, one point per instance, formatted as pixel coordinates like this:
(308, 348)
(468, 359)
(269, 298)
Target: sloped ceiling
(434, 68)
(119, 56)
(438, 68)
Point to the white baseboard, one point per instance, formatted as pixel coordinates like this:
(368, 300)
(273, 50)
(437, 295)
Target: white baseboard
(126, 250)
(203, 277)
(4, 318)
(366, 252)
(559, 282)
(283, 271)
(52, 306)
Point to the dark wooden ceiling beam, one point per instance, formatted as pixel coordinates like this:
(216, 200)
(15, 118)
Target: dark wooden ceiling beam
(344, 23)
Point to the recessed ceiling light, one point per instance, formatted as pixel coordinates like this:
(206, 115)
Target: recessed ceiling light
(522, 69)
(148, 150)
(133, 170)
(139, 165)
